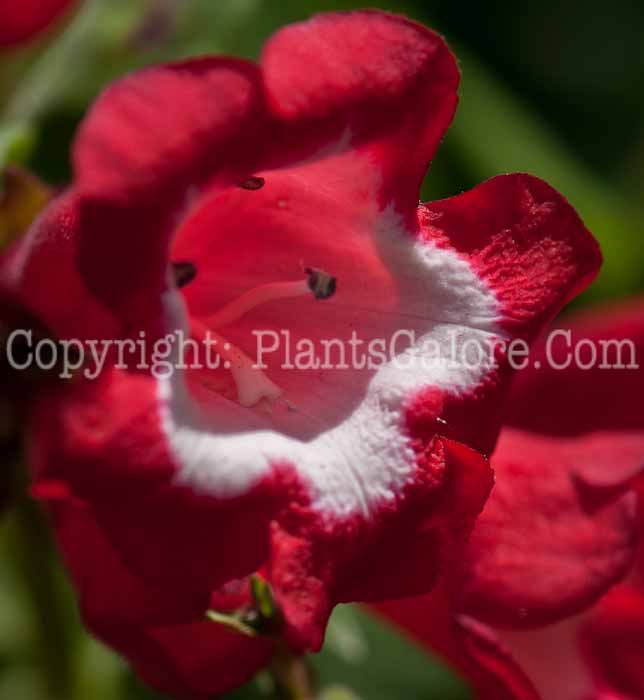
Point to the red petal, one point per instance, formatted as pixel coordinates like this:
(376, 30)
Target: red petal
(109, 592)
(197, 661)
(159, 630)
(21, 20)
(468, 646)
(496, 659)
(613, 635)
(167, 126)
(40, 277)
(525, 241)
(539, 551)
(97, 436)
(148, 145)
(532, 251)
(391, 81)
(537, 664)
(312, 570)
(577, 400)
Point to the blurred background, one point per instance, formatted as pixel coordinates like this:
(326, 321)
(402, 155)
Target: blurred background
(552, 88)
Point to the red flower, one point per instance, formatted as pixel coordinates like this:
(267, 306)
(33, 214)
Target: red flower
(21, 20)
(336, 484)
(525, 618)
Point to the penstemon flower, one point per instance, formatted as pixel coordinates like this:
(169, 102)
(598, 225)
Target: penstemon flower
(219, 198)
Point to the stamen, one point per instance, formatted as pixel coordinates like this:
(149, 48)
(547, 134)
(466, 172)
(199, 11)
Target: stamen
(184, 273)
(319, 283)
(253, 183)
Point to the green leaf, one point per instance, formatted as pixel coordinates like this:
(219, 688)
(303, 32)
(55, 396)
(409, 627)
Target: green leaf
(17, 141)
(99, 673)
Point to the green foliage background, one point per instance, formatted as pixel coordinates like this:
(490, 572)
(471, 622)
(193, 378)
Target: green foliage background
(551, 88)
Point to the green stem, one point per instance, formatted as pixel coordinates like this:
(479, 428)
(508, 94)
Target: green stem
(293, 675)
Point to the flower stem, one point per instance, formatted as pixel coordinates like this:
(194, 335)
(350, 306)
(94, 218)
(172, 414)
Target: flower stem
(293, 676)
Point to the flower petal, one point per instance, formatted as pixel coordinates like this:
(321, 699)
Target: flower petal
(161, 633)
(529, 248)
(537, 664)
(20, 20)
(61, 301)
(613, 636)
(552, 658)
(524, 240)
(468, 646)
(562, 396)
(147, 147)
(197, 661)
(94, 437)
(540, 551)
(166, 127)
(313, 570)
(107, 590)
(390, 81)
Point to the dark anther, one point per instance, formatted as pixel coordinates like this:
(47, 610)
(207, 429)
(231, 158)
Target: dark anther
(184, 273)
(321, 283)
(253, 183)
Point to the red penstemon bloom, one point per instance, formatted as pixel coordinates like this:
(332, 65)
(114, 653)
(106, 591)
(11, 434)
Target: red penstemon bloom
(525, 617)
(22, 20)
(359, 483)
